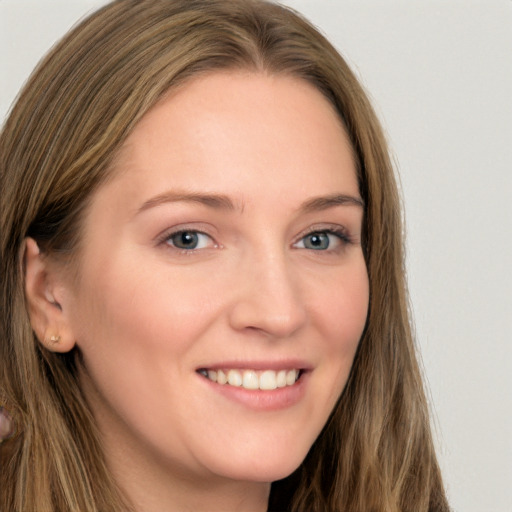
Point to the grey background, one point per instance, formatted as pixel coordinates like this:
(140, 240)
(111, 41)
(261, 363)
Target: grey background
(440, 75)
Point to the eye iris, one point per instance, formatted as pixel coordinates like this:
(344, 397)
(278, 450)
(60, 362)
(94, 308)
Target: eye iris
(185, 240)
(317, 241)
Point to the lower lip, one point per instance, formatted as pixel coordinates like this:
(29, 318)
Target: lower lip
(271, 400)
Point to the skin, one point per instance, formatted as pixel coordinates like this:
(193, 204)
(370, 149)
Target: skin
(146, 315)
(6, 426)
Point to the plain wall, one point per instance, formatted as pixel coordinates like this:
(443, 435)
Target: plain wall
(440, 75)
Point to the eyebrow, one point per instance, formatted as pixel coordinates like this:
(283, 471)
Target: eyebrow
(223, 202)
(216, 201)
(325, 202)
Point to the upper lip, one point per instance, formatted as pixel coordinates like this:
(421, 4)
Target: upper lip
(283, 364)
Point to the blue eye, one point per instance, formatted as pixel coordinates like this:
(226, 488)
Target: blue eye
(321, 241)
(189, 240)
(317, 241)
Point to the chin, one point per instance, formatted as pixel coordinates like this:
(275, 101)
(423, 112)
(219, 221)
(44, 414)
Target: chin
(268, 470)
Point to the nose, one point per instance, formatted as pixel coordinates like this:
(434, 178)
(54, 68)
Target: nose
(268, 299)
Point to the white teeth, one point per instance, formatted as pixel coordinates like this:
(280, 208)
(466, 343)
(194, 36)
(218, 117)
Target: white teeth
(268, 380)
(251, 379)
(221, 377)
(291, 377)
(281, 379)
(234, 378)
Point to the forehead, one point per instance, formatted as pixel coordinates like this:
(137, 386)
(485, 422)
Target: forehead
(237, 133)
(237, 110)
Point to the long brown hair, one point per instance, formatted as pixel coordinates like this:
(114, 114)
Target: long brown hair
(376, 451)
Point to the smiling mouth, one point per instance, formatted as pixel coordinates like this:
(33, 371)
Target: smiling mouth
(265, 380)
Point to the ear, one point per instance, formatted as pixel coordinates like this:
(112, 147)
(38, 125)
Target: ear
(44, 291)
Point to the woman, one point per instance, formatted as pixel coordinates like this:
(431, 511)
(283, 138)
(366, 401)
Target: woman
(203, 297)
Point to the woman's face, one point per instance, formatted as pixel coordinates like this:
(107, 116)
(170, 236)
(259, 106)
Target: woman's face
(225, 246)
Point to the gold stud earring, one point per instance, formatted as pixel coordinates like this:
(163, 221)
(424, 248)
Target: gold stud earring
(55, 339)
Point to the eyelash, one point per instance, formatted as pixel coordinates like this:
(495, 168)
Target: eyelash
(337, 231)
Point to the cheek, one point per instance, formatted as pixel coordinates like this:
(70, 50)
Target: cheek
(341, 318)
(138, 333)
(344, 309)
(142, 314)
